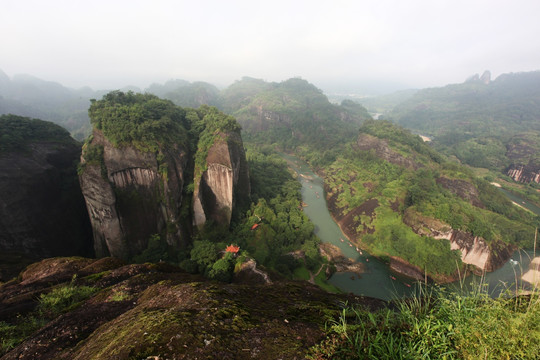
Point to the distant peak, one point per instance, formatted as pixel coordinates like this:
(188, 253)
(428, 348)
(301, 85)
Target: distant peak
(485, 78)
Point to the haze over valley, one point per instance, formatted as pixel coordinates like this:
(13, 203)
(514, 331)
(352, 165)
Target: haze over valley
(343, 180)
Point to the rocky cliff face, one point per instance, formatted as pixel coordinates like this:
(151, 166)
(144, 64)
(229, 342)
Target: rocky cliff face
(131, 195)
(366, 142)
(474, 250)
(42, 210)
(225, 182)
(532, 276)
(464, 189)
(524, 174)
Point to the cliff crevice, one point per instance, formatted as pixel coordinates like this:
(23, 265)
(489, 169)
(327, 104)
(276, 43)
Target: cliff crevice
(224, 183)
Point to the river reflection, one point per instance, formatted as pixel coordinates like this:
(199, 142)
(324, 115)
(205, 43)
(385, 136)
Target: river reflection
(378, 281)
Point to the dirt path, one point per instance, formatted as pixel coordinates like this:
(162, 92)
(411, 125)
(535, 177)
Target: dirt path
(312, 277)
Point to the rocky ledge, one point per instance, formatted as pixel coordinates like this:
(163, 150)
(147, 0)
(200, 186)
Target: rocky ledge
(157, 311)
(340, 261)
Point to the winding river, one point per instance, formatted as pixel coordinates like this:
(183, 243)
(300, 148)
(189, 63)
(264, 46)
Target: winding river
(378, 281)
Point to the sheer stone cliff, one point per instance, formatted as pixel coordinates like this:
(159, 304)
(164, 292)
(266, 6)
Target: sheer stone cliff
(224, 182)
(132, 195)
(42, 210)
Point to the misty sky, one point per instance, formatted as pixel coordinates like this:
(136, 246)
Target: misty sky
(337, 45)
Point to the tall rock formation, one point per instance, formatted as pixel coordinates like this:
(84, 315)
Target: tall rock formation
(139, 164)
(225, 182)
(133, 172)
(131, 195)
(42, 212)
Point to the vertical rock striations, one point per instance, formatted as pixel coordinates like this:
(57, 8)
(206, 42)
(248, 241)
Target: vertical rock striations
(131, 195)
(524, 174)
(140, 160)
(224, 183)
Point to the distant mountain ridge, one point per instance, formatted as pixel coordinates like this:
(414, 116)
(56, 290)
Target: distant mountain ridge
(293, 114)
(491, 124)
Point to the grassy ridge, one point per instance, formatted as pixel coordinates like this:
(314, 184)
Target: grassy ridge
(438, 324)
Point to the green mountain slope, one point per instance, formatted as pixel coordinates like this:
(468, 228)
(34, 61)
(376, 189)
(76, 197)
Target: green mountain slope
(395, 195)
(480, 122)
(293, 114)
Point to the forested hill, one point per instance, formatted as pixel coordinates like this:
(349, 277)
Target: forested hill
(29, 96)
(293, 114)
(395, 196)
(480, 122)
(186, 94)
(25, 95)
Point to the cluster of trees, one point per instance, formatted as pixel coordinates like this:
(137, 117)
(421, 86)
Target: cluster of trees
(142, 120)
(274, 231)
(16, 132)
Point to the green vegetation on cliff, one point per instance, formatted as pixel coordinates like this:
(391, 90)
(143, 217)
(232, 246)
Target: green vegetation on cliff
(142, 120)
(17, 132)
(208, 125)
(371, 192)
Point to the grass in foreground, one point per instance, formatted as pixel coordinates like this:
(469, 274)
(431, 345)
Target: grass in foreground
(58, 301)
(437, 324)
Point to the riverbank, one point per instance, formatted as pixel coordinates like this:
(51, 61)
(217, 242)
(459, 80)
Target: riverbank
(532, 276)
(378, 279)
(342, 263)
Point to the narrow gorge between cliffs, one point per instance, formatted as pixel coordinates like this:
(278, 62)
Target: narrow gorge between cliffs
(378, 280)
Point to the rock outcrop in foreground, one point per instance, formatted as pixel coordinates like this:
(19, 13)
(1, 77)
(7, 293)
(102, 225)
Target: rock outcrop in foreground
(159, 312)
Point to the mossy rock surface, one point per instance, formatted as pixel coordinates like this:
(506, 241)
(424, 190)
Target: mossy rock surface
(158, 311)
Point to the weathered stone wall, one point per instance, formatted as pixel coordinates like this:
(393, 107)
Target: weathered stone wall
(135, 199)
(42, 211)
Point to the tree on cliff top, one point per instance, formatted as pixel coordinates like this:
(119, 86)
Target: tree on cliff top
(207, 123)
(16, 132)
(142, 120)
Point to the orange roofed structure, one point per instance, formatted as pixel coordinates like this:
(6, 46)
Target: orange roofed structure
(232, 249)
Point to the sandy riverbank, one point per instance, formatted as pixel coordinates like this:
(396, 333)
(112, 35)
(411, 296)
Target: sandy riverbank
(532, 276)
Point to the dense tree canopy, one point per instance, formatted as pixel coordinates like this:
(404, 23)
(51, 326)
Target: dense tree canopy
(16, 132)
(143, 120)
